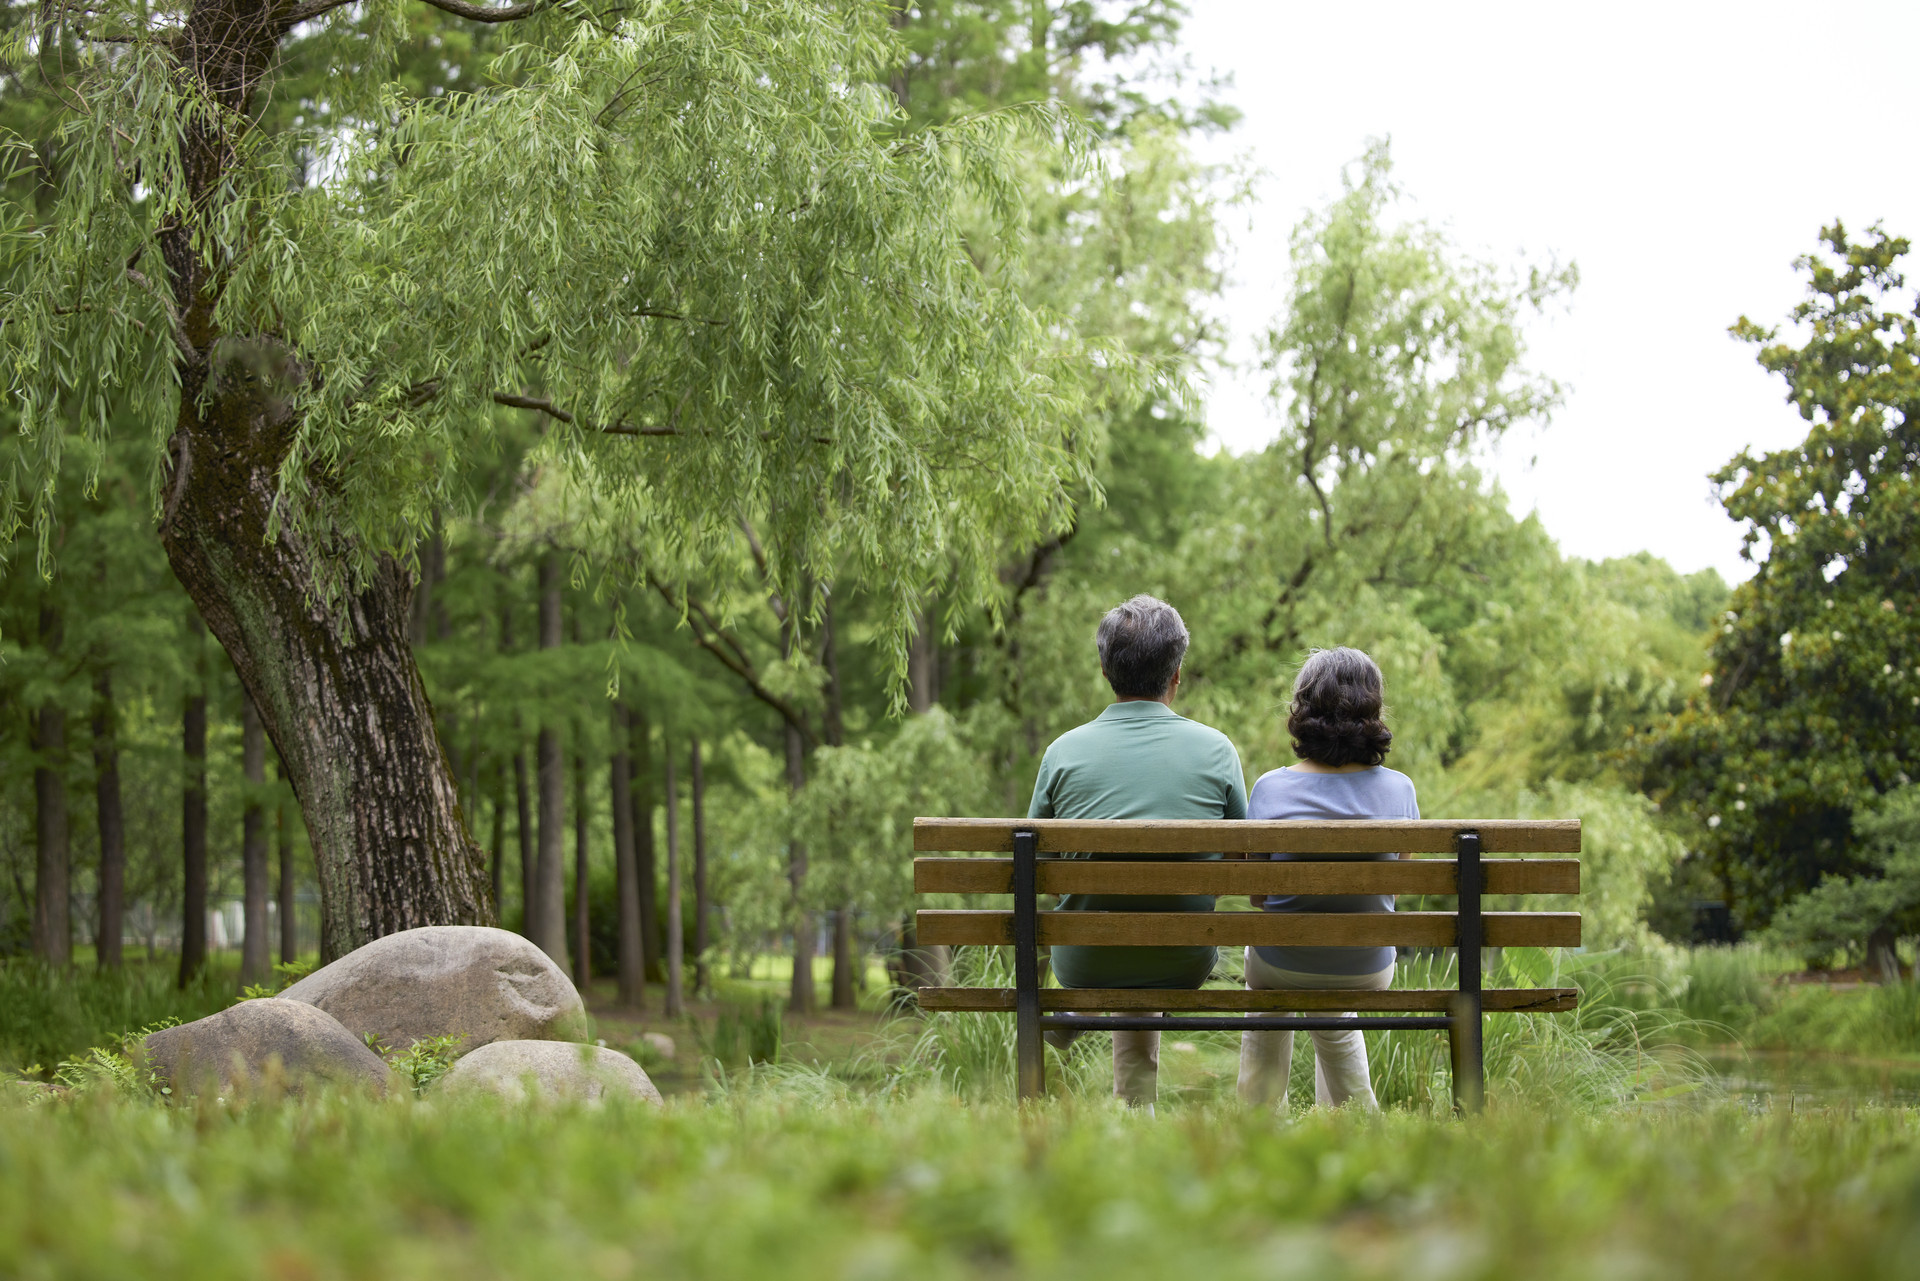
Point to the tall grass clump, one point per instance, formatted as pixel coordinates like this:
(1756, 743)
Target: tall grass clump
(745, 1032)
(1728, 987)
(1612, 1049)
(1875, 1019)
(973, 1056)
(49, 1015)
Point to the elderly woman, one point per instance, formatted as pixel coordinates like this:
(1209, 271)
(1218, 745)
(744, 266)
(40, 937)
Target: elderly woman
(1337, 731)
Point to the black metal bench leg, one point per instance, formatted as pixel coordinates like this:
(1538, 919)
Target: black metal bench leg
(1030, 1063)
(1465, 1013)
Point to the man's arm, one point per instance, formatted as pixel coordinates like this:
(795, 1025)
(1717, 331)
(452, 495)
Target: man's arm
(1235, 805)
(1042, 804)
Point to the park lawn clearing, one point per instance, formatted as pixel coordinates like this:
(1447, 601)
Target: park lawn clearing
(795, 1180)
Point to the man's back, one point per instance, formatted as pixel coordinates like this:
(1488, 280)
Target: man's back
(1138, 760)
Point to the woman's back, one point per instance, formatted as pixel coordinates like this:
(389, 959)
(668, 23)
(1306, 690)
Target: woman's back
(1375, 792)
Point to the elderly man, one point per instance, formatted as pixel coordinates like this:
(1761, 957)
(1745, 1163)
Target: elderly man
(1138, 759)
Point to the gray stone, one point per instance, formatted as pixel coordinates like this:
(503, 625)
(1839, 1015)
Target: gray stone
(285, 1042)
(518, 1070)
(470, 981)
(659, 1043)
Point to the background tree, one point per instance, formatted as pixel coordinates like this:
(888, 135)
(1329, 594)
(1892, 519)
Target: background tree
(1879, 904)
(1811, 710)
(762, 293)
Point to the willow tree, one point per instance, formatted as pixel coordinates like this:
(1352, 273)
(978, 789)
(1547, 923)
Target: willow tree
(687, 235)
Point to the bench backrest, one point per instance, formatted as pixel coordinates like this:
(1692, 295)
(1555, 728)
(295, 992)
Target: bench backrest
(1128, 867)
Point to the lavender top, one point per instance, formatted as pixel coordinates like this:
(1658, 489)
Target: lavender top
(1376, 792)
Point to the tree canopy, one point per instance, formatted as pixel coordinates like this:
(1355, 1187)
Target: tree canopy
(1810, 713)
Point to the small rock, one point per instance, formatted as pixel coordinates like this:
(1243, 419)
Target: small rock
(469, 981)
(289, 1041)
(549, 1069)
(659, 1042)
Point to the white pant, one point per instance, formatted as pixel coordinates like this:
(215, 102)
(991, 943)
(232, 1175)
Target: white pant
(1136, 1063)
(1339, 1058)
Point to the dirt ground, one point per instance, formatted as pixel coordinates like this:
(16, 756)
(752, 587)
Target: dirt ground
(827, 1035)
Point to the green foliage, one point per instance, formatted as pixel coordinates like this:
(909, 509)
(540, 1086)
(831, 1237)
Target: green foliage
(47, 1016)
(425, 1062)
(1811, 714)
(1624, 854)
(780, 1182)
(858, 809)
(1840, 913)
(768, 307)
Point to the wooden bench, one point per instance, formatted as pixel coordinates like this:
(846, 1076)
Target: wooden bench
(1037, 866)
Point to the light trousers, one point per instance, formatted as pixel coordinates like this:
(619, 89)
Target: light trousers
(1136, 1063)
(1340, 1073)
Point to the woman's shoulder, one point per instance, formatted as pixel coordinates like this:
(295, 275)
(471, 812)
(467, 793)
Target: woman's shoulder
(1379, 779)
(1281, 777)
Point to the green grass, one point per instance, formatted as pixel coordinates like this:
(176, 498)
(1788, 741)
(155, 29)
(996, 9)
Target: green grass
(1599, 1157)
(1743, 995)
(1612, 1049)
(47, 1015)
(781, 1182)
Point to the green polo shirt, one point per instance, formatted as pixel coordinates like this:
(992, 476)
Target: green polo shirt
(1138, 760)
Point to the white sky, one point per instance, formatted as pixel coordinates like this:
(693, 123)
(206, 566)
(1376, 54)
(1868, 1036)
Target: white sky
(1682, 154)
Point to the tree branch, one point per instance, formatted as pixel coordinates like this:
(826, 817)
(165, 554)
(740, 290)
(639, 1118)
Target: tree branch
(458, 8)
(554, 411)
(735, 661)
(777, 605)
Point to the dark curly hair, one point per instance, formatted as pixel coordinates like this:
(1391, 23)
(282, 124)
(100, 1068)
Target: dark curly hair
(1335, 717)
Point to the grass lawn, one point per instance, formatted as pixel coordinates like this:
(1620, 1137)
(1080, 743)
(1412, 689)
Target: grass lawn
(782, 1180)
(877, 1148)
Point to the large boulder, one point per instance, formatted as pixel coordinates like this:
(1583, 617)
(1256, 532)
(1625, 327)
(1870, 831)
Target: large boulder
(479, 984)
(286, 1042)
(519, 1070)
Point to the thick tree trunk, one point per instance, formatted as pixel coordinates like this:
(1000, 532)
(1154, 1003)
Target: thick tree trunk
(549, 881)
(582, 916)
(644, 863)
(800, 998)
(112, 822)
(633, 988)
(702, 979)
(289, 922)
(326, 662)
(676, 942)
(193, 838)
(256, 963)
(336, 687)
(53, 866)
(843, 959)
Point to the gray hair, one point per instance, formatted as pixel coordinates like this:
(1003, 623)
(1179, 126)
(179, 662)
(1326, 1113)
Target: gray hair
(1141, 644)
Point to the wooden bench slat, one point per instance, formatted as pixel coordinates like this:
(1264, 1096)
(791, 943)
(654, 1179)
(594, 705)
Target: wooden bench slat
(1291, 836)
(1114, 876)
(1243, 929)
(983, 1000)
